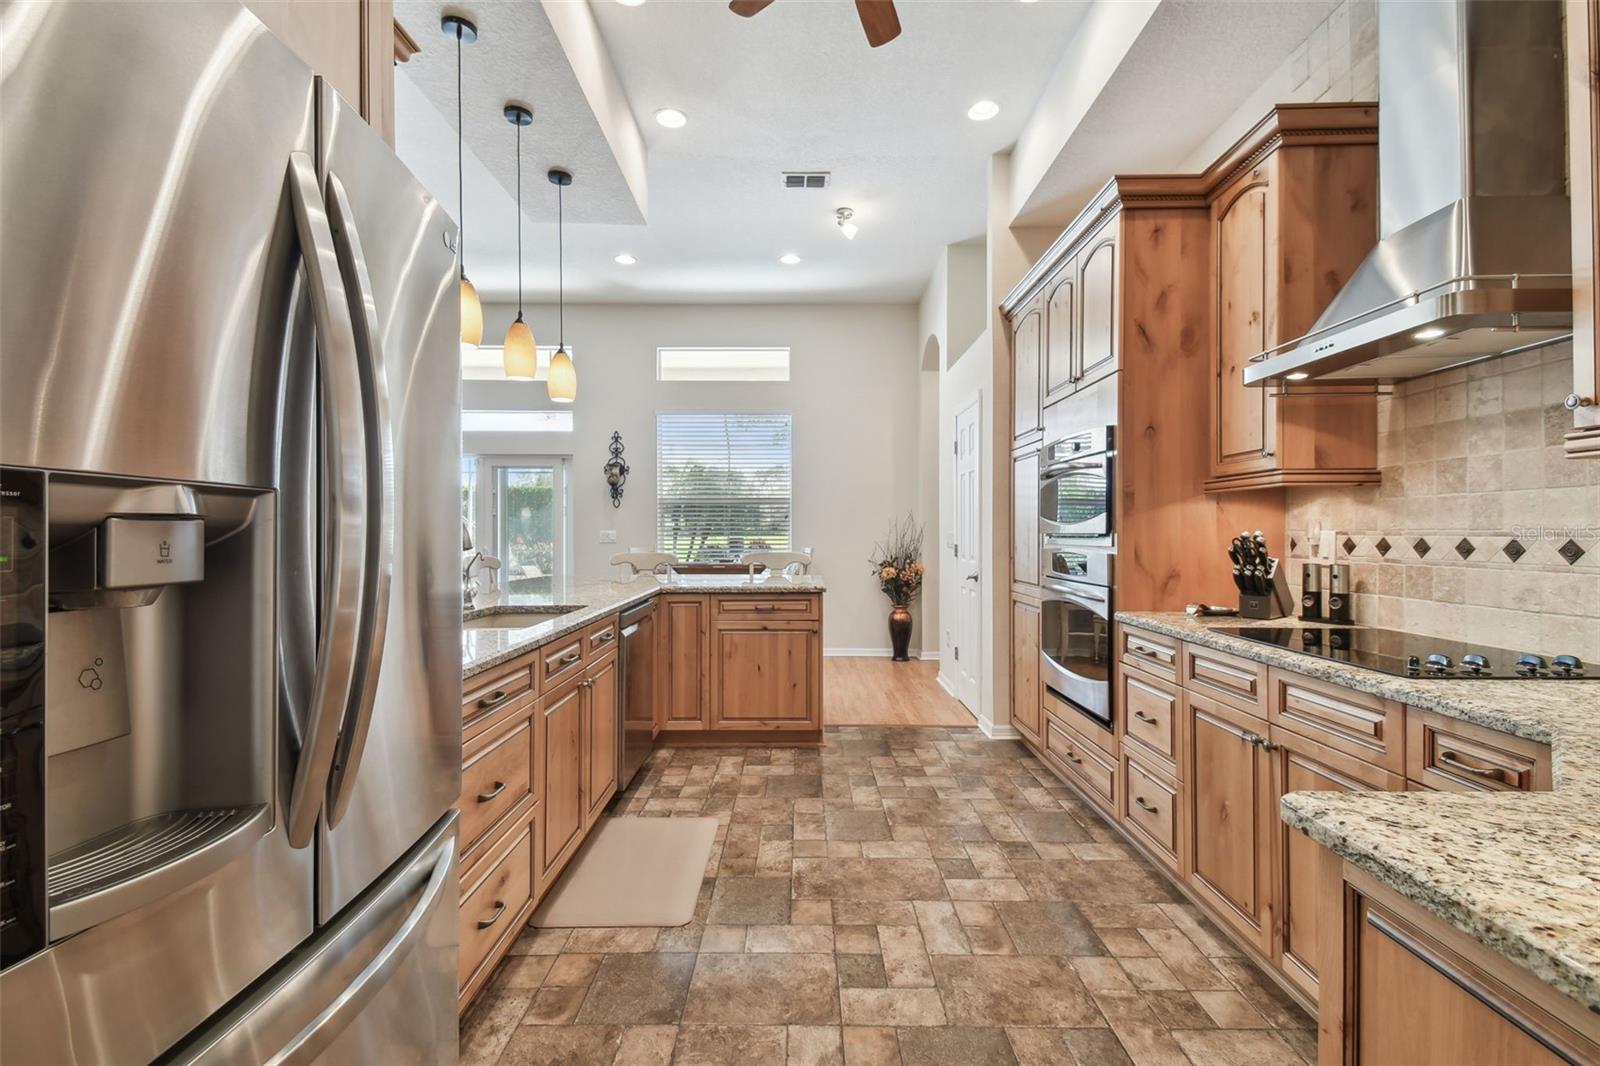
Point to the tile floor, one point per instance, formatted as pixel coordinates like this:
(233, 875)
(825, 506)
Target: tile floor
(916, 896)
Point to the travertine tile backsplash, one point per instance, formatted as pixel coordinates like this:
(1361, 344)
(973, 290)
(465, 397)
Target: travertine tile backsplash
(1482, 529)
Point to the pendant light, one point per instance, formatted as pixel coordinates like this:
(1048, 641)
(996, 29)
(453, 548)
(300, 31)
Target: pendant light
(520, 354)
(471, 307)
(563, 380)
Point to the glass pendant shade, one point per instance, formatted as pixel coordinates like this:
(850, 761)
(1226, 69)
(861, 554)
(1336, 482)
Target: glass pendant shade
(471, 315)
(520, 353)
(563, 379)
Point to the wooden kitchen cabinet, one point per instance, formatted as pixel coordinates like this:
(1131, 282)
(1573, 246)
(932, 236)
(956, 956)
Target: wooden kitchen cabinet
(686, 636)
(1026, 699)
(560, 723)
(1027, 340)
(1231, 817)
(1025, 538)
(1061, 332)
(1095, 354)
(1583, 154)
(600, 737)
(351, 43)
(1293, 214)
(766, 676)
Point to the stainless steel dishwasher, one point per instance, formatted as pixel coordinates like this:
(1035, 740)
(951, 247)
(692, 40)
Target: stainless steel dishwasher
(638, 705)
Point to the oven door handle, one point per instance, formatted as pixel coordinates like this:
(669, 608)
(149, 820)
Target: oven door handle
(1058, 469)
(1073, 594)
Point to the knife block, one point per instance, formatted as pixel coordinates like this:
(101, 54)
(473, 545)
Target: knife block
(1277, 603)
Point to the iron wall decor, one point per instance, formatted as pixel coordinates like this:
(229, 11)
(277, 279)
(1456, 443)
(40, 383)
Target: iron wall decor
(616, 469)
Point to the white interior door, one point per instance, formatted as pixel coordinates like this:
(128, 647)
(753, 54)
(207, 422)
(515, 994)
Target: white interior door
(969, 579)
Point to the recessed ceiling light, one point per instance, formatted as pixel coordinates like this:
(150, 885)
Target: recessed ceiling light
(636, 3)
(983, 111)
(1298, 375)
(671, 118)
(625, 259)
(788, 259)
(1429, 334)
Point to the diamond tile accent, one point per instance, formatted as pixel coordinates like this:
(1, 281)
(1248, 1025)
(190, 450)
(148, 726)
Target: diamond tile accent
(1383, 545)
(1294, 545)
(1464, 548)
(1422, 546)
(1514, 549)
(1349, 545)
(1571, 551)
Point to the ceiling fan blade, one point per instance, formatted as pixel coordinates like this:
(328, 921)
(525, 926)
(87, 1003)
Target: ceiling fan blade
(746, 8)
(879, 20)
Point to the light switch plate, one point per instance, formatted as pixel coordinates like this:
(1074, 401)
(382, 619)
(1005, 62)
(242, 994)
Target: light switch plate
(608, 536)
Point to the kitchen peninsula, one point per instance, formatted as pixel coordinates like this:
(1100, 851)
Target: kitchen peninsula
(552, 692)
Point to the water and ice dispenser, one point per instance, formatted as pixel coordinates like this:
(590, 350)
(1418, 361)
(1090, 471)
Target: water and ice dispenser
(137, 688)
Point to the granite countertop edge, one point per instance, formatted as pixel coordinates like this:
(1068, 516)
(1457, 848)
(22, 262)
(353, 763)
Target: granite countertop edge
(1518, 872)
(484, 649)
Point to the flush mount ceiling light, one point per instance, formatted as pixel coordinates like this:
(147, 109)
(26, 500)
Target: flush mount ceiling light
(1298, 375)
(520, 354)
(788, 259)
(983, 111)
(671, 118)
(1432, 333)
(471, 307)
(563, 376)
(625, 259)
(841, 218)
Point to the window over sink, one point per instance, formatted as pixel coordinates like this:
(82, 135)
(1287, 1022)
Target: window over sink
(724, 483)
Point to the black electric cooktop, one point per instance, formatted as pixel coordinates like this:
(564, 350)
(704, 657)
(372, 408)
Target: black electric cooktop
(1412, 655)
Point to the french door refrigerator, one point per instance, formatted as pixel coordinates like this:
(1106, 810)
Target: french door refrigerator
(229, 554)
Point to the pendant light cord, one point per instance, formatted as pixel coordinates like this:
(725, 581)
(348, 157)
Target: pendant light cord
(461, 173)
(561, 273)
(519, 222)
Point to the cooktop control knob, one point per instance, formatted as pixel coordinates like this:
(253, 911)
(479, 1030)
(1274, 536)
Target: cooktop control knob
(1567, 665)
(1474, 663)
(1439, 663)
(1530, 665)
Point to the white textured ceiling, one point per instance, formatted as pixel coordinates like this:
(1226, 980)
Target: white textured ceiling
(794, 88)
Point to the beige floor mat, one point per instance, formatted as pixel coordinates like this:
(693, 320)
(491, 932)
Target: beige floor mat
(632, 872)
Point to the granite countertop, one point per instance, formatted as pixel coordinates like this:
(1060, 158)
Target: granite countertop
(580, 602)
(1519, 872)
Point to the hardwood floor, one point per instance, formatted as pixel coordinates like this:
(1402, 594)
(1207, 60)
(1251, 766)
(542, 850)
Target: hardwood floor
(884, 692)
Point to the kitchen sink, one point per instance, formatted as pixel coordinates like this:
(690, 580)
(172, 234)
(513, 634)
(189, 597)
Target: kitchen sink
(520, 618)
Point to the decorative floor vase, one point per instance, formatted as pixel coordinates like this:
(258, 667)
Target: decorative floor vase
(900, 631)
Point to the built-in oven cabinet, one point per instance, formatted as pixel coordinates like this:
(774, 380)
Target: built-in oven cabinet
(1025, 522)
(1076, 489)
(1075, 650)
(1583, 153)
(1081, 307)
(1026, 700)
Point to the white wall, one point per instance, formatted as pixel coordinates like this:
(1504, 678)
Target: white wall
(854, 393)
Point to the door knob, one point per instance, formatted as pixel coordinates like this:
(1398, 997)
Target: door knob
(972, 576)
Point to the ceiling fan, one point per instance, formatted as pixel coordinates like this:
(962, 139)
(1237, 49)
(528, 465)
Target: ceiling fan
(878, 19)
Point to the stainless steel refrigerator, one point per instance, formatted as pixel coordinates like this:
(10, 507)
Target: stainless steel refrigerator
(229, 552)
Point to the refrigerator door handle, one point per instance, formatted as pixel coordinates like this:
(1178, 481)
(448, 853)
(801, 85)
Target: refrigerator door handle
(346, 491)
(378, 562)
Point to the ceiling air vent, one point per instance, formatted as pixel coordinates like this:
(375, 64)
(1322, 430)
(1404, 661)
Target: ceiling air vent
(805, 179)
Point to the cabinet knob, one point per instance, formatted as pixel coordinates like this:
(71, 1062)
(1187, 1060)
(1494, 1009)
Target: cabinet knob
(1574, 401)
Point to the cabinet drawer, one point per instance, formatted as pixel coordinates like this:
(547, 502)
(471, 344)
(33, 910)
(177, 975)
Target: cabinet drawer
(1442, 753)
(600, 637)
(1239, 681)
(1082, 761)
(1151, 808)
(1369, 727)
(493, 906)
(488, 692)
(1151, 713)
(789, 606)
(495, 780)
(1148, 651)
(560, 660)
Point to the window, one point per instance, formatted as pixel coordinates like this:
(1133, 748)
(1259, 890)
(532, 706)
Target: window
(516, 508)
(723, 484)
(722, 364)
(516, 421)
(485, 363)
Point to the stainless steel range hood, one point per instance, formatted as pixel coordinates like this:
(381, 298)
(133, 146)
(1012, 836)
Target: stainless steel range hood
(1474, 256)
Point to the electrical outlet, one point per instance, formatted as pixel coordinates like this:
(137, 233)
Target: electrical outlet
(608, 536)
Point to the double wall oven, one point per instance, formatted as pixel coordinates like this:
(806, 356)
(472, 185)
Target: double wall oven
(1078, 553)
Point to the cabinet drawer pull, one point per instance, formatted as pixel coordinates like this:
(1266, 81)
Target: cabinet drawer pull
(1139, 801)
(499, 909)
(493, 699)
(1448, 758)
(1146, 650)
(569, 658)
(766, 607)
(1144, 717)
(1073, 756)
(604, 637)
(485, 797)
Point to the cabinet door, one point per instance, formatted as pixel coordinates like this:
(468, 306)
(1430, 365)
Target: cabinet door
(1231, 817)
(1241, 416)
(766, 677)
(1025, 698)
(1025, 519)
(686, 626)
(1583, 115)
(601, 713)
(1026, 340)
(560, 742)
(1300, 765)
(327, 35)
(1061, 332)
(1097, 307)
